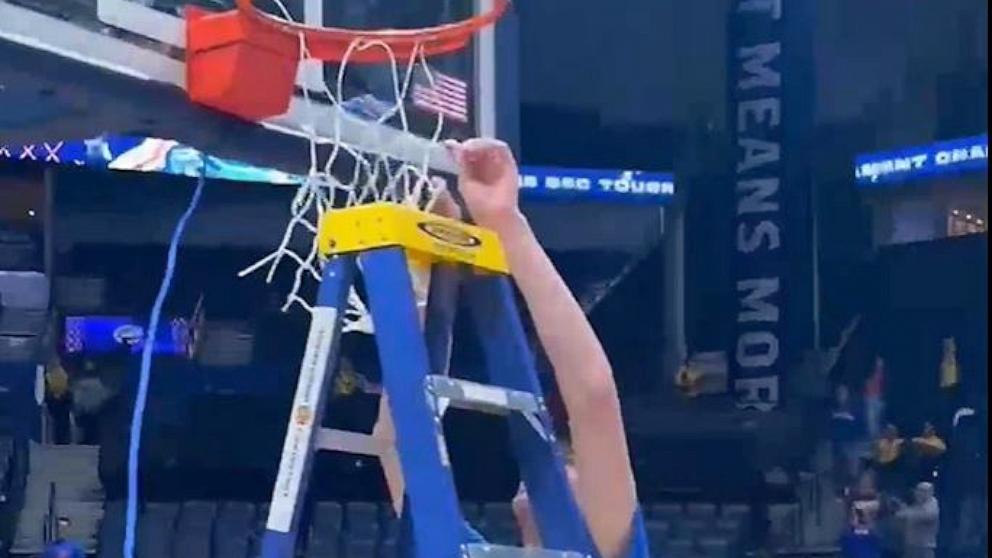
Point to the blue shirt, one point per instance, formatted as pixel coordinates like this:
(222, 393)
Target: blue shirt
(860, 544)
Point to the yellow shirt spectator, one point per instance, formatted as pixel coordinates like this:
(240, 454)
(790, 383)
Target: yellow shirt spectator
(57, 380)
(888, 449)
(949, 373)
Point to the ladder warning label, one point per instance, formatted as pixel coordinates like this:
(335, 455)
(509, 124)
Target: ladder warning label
(313, 372)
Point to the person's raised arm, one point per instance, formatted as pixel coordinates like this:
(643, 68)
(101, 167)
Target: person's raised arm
(489, 183)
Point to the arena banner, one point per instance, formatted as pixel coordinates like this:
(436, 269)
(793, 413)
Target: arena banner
(769, 94)
(949, 157)
(127, 153)
(625, 186)
(141, 154)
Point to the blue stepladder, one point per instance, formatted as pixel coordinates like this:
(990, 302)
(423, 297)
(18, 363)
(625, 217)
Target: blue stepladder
(381, 239)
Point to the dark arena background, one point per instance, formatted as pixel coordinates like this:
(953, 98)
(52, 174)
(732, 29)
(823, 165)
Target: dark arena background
(773, 213)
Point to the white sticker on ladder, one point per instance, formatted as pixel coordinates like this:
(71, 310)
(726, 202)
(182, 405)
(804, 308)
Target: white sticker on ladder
(313, 371)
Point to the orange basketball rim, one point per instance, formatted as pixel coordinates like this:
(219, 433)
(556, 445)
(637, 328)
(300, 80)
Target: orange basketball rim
(244, 62)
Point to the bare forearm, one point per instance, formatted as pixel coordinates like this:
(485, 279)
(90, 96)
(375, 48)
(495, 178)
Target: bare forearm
(605, 484)
(578, 360)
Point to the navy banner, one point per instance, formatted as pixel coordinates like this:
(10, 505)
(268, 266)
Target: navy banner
(769, 109)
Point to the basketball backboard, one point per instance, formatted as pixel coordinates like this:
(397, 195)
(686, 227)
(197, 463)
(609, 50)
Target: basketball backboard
(91, 67)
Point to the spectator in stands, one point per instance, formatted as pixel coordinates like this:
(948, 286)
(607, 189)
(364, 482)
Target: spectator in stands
(950, 379)
(888, 459)
(864, 497)
(874, 399)
(89, 394)
(920, 523)
(888, 529)
(859, 540)
(58, 400)
(844, 435)
(928, 448)
(63, 549)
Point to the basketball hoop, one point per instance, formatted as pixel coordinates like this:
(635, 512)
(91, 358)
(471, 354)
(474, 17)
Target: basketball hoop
(245, 62)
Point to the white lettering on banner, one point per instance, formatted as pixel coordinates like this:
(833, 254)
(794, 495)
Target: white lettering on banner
(755, 307)
(761, 110)
(626, 183)
(756, 195)
(5, 151)
(757, 153)
(918, 162)
(750, 239)
(27, 153)
(757, 349)
(764, 388)
(755, 61)
(758, 208)
(952, 156)
(313, 373)
(774, 7)
(52, 152)
(629, 186)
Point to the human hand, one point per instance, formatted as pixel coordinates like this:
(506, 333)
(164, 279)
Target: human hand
(488, 181)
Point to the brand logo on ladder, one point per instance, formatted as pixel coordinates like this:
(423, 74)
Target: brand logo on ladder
(303, 415)
(449, 234)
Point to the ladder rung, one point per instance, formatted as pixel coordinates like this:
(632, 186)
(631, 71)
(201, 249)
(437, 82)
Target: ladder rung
(330, 439)
(482, 550)
(482, 397)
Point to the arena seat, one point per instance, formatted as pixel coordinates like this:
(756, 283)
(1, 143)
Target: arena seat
(731, 528)
(326, 527)
(328, 518)
(156, 527)
(6, 466)
(360, 548)
(701, 510)
(666, 511)
(740, 512)
(363, 521)
(259, 529)
(714, 547)
(111, 534)
(233, 530)
(658, 531)
(499, 524)
(195, 525)
(472, 512)
(318, 547)
(679, 548)
(390, 534)
(692, 528)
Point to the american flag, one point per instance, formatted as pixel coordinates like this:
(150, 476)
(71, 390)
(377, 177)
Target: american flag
(447, 96)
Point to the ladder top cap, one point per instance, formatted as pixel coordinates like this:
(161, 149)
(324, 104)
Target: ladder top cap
(425, 235)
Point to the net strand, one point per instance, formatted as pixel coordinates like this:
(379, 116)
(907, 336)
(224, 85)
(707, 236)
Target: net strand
(374, 176)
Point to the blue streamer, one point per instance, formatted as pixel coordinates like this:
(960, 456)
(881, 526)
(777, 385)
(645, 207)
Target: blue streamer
(141, 398)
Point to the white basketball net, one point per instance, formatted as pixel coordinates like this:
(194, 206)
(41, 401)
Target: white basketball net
(374, 177)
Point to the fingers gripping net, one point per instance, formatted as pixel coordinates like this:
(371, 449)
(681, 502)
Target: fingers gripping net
(351, 176)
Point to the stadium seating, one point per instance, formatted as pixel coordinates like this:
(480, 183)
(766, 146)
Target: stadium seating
(193, 531)
(6, 466)
(201, 529)
(233, 530)
(698, 529)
